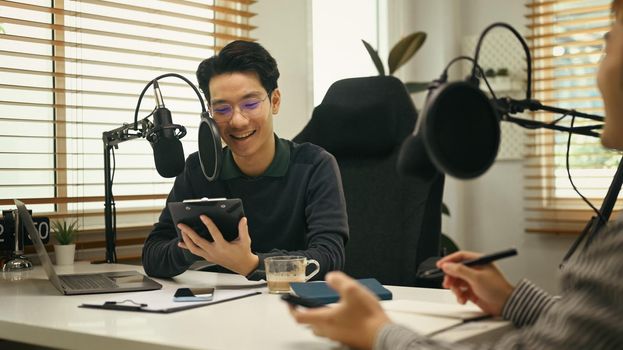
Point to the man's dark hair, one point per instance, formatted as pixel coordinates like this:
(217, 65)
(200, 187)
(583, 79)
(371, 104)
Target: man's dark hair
(239, 56)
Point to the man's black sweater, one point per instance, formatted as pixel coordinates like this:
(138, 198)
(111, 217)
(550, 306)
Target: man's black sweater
(296, 207)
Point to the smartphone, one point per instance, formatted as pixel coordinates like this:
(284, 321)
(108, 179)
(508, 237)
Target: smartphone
(193, 294)
(298, 301)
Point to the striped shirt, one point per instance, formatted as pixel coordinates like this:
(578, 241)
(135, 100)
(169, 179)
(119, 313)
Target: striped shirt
(588, 315)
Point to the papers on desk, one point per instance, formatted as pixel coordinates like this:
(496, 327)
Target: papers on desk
(162, 301)
(429, 318)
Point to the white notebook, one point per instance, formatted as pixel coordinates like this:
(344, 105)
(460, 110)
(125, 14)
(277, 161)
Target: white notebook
(428, 318)
(467, 312)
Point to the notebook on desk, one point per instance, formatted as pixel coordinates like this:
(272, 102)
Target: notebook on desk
(322, 293)
(105, 282)
(429, 318)
(467, 312)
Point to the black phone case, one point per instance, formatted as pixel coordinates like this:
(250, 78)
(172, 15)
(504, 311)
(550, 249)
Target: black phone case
(183, 292)
(298, 301)
(225, 213)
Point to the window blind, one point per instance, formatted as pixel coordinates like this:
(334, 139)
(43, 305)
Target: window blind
(566, 41)
(70, 70)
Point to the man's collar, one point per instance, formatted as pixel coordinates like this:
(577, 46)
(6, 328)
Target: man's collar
(277, 168)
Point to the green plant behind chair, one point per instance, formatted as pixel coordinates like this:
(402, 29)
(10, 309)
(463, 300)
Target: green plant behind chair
(447, 244)
(400, 54)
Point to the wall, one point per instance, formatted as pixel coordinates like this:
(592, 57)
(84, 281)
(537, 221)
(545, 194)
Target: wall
(284, 29)
(487, 213)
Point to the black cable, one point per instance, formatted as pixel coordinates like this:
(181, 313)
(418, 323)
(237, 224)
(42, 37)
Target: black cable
(151, 113)
(571, 180)
(112, 203)
(140, 97)
(487, 82)
(444, 74)
(524, 45)
(535, 127)
(555, 121)
(453, 61)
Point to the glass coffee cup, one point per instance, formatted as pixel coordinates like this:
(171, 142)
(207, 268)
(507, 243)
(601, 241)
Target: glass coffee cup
(281, 270)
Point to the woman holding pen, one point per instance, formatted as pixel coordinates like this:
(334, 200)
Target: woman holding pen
(588, 314)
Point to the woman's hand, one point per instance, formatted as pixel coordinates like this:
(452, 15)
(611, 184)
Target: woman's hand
(483, 285)
(355, 320)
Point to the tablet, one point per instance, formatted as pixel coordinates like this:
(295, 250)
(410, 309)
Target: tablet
(226, 214)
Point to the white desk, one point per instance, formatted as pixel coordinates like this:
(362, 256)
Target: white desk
(33, 311)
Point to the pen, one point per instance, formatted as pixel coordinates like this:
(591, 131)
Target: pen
(127, 304)
(483, 260)
(122, 307)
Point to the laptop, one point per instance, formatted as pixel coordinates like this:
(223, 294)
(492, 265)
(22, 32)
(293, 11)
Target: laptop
(92, 283)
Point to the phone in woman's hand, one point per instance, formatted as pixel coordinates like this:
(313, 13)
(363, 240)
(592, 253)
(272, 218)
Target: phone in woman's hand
(298, 301)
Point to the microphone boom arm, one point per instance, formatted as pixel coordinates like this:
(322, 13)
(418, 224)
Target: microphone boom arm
(143, 128)
(112, 139)
(507, 106)
(127, 132)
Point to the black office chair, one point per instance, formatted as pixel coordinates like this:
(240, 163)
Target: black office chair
(395, 221)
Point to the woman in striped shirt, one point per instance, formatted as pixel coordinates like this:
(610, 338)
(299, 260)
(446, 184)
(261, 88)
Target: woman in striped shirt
(587, 315)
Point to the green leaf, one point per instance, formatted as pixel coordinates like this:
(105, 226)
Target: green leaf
(375, 57)
(404, 50)
(414, 87)
(444, 209)
(447, 245)
(2, 30)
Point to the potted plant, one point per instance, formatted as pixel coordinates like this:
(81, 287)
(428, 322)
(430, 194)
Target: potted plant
(400, 54)
(65, 235)
(447, 244)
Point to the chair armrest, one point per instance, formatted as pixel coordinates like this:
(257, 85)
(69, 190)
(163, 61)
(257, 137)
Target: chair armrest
(428, 264)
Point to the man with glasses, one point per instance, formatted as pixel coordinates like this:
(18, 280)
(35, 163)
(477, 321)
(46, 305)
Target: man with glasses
(292, 193)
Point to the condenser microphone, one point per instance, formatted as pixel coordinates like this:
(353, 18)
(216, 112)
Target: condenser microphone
(164, 139)
(413, 160)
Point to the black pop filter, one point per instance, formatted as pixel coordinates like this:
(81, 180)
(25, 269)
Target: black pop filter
(458, 132)
(461, 130)
(210, 147)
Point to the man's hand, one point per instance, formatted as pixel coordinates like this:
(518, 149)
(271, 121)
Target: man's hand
(235, 255)
(355, 320)
(483, 285)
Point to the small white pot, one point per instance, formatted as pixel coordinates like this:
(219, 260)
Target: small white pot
(64, 254)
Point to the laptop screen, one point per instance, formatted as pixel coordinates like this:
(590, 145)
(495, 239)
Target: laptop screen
(27, 222)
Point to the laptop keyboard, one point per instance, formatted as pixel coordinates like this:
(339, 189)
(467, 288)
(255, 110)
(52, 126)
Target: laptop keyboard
(82, 282)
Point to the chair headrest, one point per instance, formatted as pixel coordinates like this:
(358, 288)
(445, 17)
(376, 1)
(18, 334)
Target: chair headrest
(368, 116)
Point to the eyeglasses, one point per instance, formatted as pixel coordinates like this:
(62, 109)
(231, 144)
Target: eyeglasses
(249, 108)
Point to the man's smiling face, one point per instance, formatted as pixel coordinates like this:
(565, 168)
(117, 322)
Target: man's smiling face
(249, 130)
